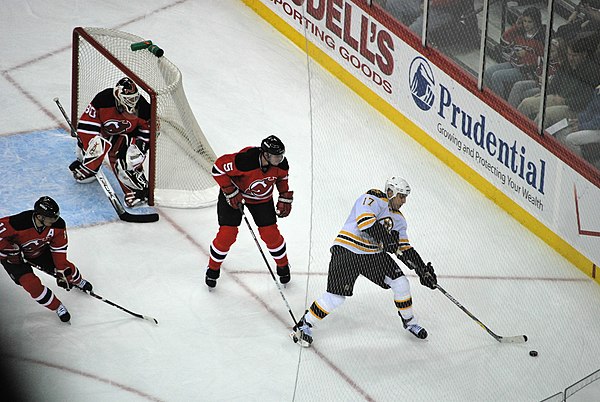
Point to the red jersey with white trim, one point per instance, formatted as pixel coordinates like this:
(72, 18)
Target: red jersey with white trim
(245, 171)
(101, 117)
(20, 230)
(371, 209)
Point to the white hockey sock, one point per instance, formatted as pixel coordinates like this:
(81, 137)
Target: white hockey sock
(402, 298)
(321, 307)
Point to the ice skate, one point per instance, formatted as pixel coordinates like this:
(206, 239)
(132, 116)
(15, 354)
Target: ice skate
(136, 199)
(284, 275)
(302, 333)
(211, 278)
(63, 314)
(411, 326)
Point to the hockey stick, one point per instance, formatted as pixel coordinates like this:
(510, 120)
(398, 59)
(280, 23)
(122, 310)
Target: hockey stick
(268, 266)
(501, 339)
(107, 188)
(97, 296)
(144, 317)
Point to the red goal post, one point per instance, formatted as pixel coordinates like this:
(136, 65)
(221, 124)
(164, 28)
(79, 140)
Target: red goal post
(180, 158)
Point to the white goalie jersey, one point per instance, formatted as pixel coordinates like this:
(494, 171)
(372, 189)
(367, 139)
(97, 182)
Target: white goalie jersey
(370, 209)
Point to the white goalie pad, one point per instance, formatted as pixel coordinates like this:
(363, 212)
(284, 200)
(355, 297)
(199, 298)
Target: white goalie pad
(134, 158)
(133, 179)
(97, 148)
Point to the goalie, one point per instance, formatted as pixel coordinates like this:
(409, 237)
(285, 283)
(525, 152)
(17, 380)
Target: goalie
(115, 123)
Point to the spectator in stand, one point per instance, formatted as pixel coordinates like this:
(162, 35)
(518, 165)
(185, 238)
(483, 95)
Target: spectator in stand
(449, 21)
(405, 11)
(582, 135)
(530, 87)
(584, 19)
(523, 45)
(570, 90)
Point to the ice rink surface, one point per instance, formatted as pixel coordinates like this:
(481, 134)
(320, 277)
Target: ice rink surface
(245, 81)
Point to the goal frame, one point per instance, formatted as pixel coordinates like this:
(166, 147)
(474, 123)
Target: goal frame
(80, 32)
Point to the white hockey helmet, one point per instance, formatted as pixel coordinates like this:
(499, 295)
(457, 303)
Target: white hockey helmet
(126, 95)
(397, 185)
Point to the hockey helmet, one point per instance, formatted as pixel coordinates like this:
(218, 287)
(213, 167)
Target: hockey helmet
(126, 95)
(272, 145)
(47, 207)
(397, 185)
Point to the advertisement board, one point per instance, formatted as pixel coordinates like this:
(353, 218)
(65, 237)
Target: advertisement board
(531, 183)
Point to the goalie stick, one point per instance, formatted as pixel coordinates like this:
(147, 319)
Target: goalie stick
(107, 188)
(501, 339)
(97, 296)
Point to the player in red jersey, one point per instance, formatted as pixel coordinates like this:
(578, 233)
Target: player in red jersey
(116, 123)
(39, 237)
(247, 179)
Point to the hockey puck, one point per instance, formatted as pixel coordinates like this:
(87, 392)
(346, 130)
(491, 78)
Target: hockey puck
(533, 353)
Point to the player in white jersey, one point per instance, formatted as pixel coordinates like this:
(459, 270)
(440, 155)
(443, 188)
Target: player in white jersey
(374, 228)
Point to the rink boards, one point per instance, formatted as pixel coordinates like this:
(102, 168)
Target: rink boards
(512, 168)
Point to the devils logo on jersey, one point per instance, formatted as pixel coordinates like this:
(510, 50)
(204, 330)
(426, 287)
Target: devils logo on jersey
(262, 187)
(114, 126)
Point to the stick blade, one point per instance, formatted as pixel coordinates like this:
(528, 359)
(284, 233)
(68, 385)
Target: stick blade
(513, 339)
(154, 320)
(299, 340)
(141, 218)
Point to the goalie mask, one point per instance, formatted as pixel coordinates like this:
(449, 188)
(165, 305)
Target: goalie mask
(396, 185)
(126, 95)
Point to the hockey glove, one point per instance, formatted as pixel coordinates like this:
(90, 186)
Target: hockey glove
(85, 286)
(427, 276)
(413, 260)
(233, 196)
(388, 240)
(391, 242)
(284, 204)
(81, 173)
(10, 252)
(63, 278)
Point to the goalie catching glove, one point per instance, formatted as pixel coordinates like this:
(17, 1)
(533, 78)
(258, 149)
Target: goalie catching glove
(413, 260)
(233, 196)
(81, 173)
(284, 204)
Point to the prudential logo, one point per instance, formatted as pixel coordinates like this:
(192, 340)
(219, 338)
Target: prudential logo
(421, 83)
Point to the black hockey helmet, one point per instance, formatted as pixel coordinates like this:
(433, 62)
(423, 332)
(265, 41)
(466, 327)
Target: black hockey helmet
(272, 145)
(47, 207)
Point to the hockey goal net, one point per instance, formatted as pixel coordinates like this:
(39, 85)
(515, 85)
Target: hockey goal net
(180, 158)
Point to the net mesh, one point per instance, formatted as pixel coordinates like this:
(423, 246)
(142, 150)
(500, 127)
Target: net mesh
(183, 156)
